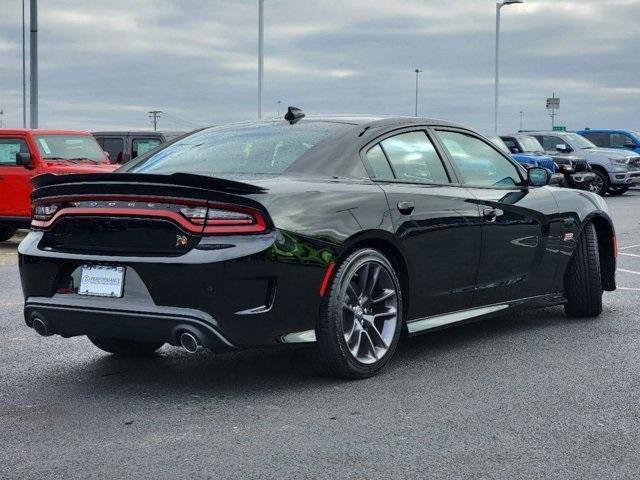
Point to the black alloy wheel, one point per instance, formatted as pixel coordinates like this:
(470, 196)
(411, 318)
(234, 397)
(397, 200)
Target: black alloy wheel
(361, 316)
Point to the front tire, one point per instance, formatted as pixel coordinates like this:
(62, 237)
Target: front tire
(360, 317)
(583, 282)
(600, 183)
(6, 233)
(127, 348)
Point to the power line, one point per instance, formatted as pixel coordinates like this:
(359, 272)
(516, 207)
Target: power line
(155, 115)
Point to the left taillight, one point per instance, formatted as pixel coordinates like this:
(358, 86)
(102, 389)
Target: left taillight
(226, 219)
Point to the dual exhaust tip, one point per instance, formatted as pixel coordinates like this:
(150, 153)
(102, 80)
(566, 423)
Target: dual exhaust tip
(188, 341)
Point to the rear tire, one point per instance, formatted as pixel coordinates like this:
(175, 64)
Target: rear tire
(615, 190)
(6, 233)
(361, 317)
(583, 282)
(128, 348)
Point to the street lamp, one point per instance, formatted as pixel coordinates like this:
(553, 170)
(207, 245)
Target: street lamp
(418, 72)
(499, 5)
(260, 54)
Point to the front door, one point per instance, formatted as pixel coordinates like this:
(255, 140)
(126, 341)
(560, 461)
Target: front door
(436, 221)
(14, 179)
(517, 221)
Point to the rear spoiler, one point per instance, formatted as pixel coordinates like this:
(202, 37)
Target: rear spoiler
(175, 180)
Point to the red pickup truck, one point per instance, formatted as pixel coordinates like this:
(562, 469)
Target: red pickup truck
(25, 153)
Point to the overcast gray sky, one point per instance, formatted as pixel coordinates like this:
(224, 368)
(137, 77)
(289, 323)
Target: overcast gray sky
(103, 65)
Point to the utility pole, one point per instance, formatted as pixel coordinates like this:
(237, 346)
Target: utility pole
(1, 118)
(279, 102)
(33, 50)
(418, 72)
(154, 115)
(260, 54)
(24, 72)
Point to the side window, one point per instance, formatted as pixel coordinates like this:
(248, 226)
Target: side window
(599, 139)
(479, 163)
(512, 145)
(379, 164)
(114, 147)
(549, 142)
(143, 145)
(618, 140)
(8, 149)
(413, 158)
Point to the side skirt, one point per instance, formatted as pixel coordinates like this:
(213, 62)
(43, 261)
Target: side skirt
(462, 316)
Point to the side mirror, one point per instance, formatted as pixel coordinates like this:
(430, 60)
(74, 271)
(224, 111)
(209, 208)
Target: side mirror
(538, 176)
(514, 150)
(563, 148)
(557, 179)
(629, 144)
(23, 159)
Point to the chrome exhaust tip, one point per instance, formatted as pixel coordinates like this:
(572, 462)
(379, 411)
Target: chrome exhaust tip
(41, 327)
(190, 343)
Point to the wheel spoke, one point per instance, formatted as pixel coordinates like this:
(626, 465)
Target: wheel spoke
(349, 335)
(346, 306)
(352, 293)
(387, 293)
(372, 318)
(355, 348)
(363, 278)
(370, 345)
(372, 281)
(375, 334)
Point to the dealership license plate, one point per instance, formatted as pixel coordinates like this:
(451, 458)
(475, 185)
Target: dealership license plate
(101, 281)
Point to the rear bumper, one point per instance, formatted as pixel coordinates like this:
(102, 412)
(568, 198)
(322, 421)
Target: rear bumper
(238, 292)
(72, 317)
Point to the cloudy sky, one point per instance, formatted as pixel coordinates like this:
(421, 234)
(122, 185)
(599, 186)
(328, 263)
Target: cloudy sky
(103, 65)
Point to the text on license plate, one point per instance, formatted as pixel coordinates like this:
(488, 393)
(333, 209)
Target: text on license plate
(101, 281)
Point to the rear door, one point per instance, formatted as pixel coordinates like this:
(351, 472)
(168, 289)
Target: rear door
(14, 179)
(517, 220)
(142, 144)
(434, 219)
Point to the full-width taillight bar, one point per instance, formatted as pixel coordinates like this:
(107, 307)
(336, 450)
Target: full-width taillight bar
(194, 216)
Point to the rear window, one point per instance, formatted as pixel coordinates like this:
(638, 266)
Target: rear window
(69, 147)
(258, 148)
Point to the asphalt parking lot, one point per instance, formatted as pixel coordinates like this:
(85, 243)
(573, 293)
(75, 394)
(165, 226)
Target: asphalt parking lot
(532, 395)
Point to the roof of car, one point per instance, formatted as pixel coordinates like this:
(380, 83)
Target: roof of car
(41, 131)
(601, 130)
(138, 132)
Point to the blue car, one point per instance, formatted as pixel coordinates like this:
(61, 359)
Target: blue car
(611, 138)
(530, 158)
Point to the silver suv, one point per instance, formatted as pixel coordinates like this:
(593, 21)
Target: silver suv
(615, 170)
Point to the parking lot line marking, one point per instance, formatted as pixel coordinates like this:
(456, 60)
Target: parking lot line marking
(631, 254)
(629, 246)
(628, 271)
(629, 288)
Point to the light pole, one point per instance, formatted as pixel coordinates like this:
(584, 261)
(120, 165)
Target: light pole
(260, 54)
(499, 5)
(279, 102)
(24, 73)
(418, 72)
(521, 120)
(33, 50)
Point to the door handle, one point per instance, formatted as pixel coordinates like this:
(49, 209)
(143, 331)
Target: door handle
(489, 214)
(406, 208)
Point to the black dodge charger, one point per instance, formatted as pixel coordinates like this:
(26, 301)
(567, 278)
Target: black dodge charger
(342, 232)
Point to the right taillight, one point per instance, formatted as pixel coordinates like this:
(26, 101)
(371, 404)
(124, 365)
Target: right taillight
(226, 219)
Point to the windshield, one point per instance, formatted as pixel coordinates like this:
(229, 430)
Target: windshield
(530, 144)
(578, 142)
(69, 147)
(497, 141)
(257, 148)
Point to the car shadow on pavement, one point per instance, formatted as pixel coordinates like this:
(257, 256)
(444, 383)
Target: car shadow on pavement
(290, 368)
